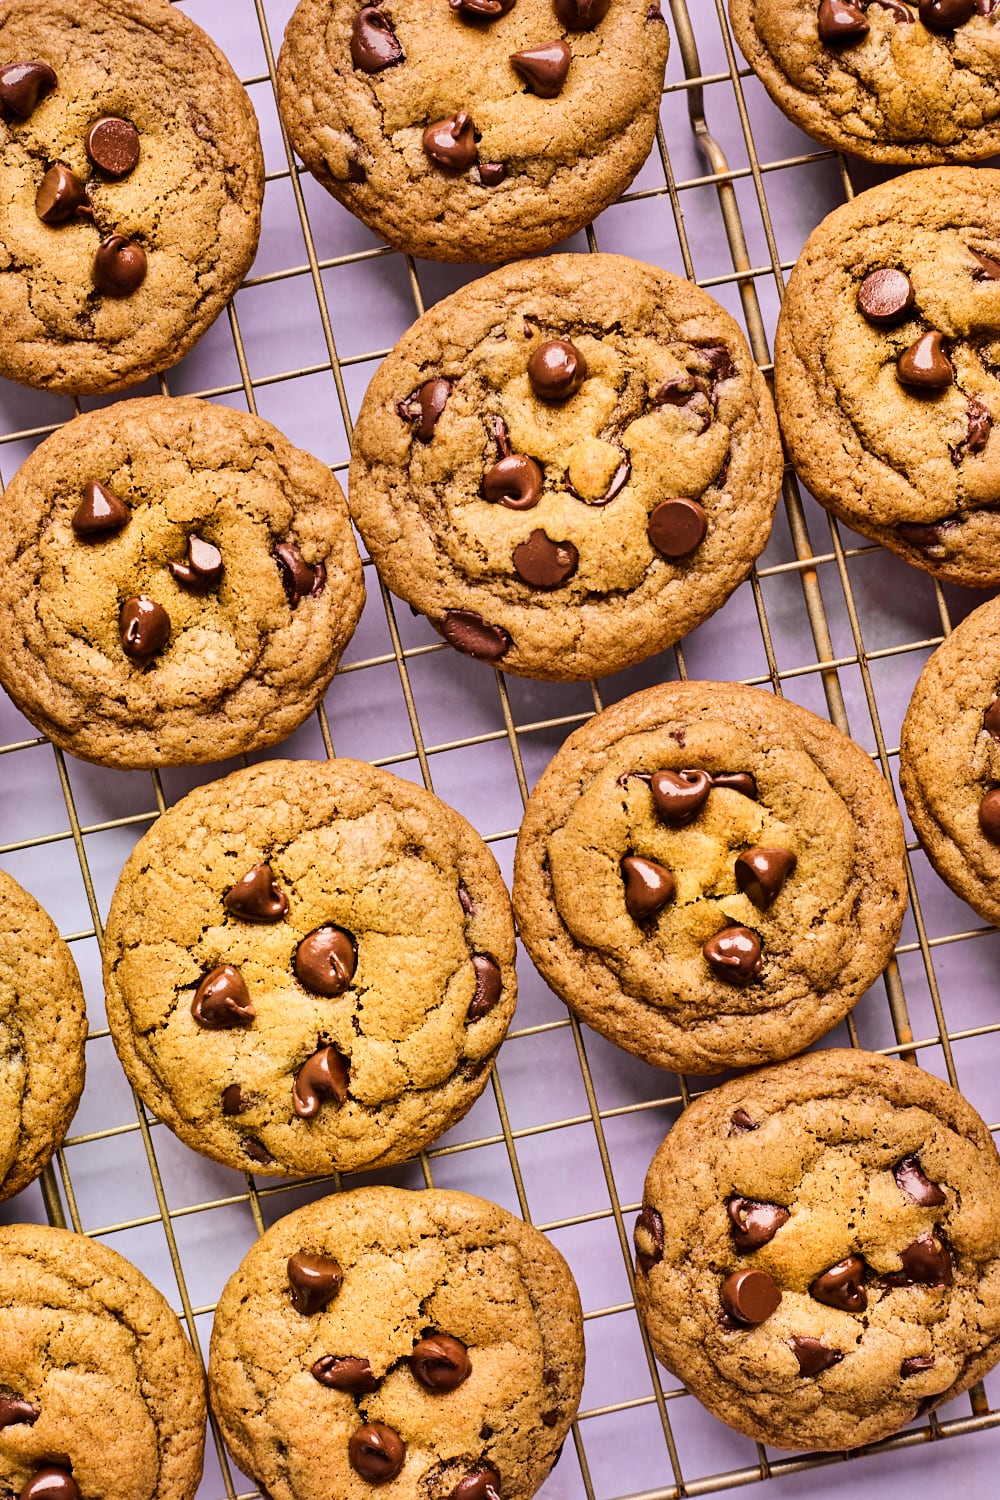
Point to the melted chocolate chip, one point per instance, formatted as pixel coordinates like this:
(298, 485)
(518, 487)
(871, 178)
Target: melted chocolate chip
(257, 1152)
(840, 21)
(550, 1418)
(51, 1483)
(924, 365)
(113, 146)
(580, 15)
(203, 568)
(750, 1296)
(23, 85)
(743, 782)
(481, 10)
(680, 795)
(734, 955)
(648, 1239)
(451, 143)
(648, 887)
(514, 481)
(489, 173)
(689, 392)
(374, 44)
(100, 512)
(813, 1355)
(988, 268)
(944, 15)
(619, 480)
(119, 266)
(926, 1262)
(345, 1373)
(325, 960)
(753, 1224)
(543, 563)
(222, 1001)
(376, 1452)
(740, 1122)
(61, 196)
(257, 897)
(557, 370)
(489, 986)
(676, 528)
(915, 1364)
(474, 636)
(144, 628)
(482, 1484)
(842, 1286)
(762, 871)
(300, 580)
(991, 718)
(465, 900)
(14, 1412)
(323, 1076)
(989, 815)
(314, 1279)
(233, 1102)
(425, 406)
(978, 425)
(919, 1189)
(898, 10)
(544, 67)
(440, 1363)
(885, 296)
(927, 536)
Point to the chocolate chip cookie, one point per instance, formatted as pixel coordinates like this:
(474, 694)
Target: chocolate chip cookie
(887, 368)
(817, 1254)
(429, 1340)
(889, 80)
(567, 465)
(100, 1392)
(43, 1026)
(309, 966)
(131, 180)
(710, 876)
(473, 130)
(177, 583)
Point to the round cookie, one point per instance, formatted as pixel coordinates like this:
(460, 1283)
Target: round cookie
(949, 760)
(309, 967)
(131, 180)
(474, 130)
(567, 464)
(177, 583)
(889, 80)
(817, 1252)
(710, 876)
(102, 1393)
(43, 1027)
(887, 368)
(427, 1343)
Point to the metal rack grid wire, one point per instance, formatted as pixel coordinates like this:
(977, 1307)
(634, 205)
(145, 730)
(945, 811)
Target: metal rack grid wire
(838, 655)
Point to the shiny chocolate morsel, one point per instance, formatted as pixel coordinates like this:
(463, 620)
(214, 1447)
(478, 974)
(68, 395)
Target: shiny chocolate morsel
(989, 815)
(680, 795)
(144, 628)
(740, 1122)
(840, 21)
(648, 1239)
(925, 366)
(23, 85)
(750, 1296)
(374, 44)
(51, 1483)
(988, 268)
(489, 173)
(734, 954)
(299, 579)
(14, 1411)
(944, 15)
(451, 143)
(676, 528)
(113, 146)
(885, 296)
(119, 266)
(257, 896)
(222, 1001)
(927, 1262)
(314, 1279)
(323, 1076)
(425, 406)
(752, 1223)
(100, 512)
(345, 1373)
(376, 1452)
(915, 1364)
(61, 195)
(743, 782)
(580, 15)
(813, 1355)
(489, 986)
(482, 1484)
(325, 960)
(474, 636)
(203, 569)
(991, 718)
(233, 1102)
(919, 1189)
(543, 563)
(649, 887)
(440, 1362)
(842, 1286)
(557, 370)
(762, 871)
(481, 10)
(543, 67)
(514, 481)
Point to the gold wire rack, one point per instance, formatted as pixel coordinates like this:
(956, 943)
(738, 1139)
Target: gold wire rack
(821, 598)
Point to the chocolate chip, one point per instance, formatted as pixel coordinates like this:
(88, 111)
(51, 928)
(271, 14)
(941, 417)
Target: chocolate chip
(580, 15)
(680, 795)
(514, 481)
(257, 897)
(543, 563)
(440, 1363)
(898, 10)
(465, 900)
(676, 528)
(425, 406)
(233, 1102)
(23, 85)
(100, 512)
(314, 1279)
(648, 887)
(915, 1364)
(989, 815)
(885, 296)
(924, 365)
(356, 171)
(927, 537)
(451, 143)
(556, 370)
(988, 269)
(323, 1076)
(376, 1452)
(60, 195)
(752, 1223)
(222, 1001)
(813, 1355)
(482, 1484)
(945, 15)
(119, 266)
(14, 1412)
(300, 580)
(144, 627)
(203, 569)
(842, 1286)
(50, 1483)
(113, 146)
(481, 10)
(489, 986)
(474, 636)
(762, 871)
(740, 1122)
(978, 426)
(926, 1262)
(345, 1373)
(910, 1180)
(544, 67)
(734, 955)
(619, 480)
(326, 959)
(550, 1375)
(257, 1152)
(648, 1239)
(991, 718)
(840, 21)
(689, 392)
(550, 1418)
(374, 44)
(750, 1296)
(489, 173)
(743, 782)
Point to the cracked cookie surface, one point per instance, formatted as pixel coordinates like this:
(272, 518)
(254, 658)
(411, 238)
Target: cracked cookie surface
(250, 641)
(413, 1264)
(889, 426)
(777, 885)
(103, 1381)
(539, 158)
(43, 1026)
(867, 1193)
(890, 87)
(567, 464)
(191, 203)
(375, 955)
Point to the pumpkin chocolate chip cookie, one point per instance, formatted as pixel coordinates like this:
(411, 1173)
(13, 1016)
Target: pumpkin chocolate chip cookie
(428, 1342)
(817, 1252)
(309, 967)
(710, 876)
(567, 464)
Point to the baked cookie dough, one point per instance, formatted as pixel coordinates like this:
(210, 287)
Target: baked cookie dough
(177, 583)
(818, 1252)
(131, 180)
(567, 464)
(427, 1343)
(710, 876)
(309, 967)
(889, 80)
(102, 1393)
(43, 1027)
(949, 760)
(887, 368)
(473, 130)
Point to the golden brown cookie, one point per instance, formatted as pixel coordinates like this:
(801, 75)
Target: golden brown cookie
(818, 1253)
(425, 1344)
(131, 179)
(567, 464)
(309, 967)
(178, 583)
(710, 876)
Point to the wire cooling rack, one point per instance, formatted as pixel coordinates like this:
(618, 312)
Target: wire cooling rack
(566, 1131)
